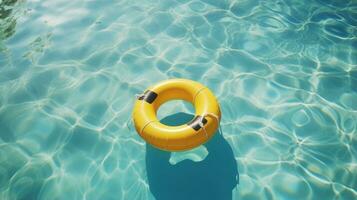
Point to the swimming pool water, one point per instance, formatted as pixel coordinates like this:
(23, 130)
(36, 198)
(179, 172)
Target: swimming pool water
(284, 72)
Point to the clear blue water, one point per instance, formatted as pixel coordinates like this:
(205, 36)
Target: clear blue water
(285, 74)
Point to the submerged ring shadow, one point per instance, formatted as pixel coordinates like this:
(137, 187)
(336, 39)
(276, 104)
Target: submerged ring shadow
(210, 179)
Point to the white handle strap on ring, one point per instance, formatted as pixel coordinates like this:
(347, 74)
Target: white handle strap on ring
(137, 96)
(130, 121)
(200, 123)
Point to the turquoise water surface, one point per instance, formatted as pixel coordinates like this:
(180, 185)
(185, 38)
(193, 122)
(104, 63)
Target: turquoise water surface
(284, 72)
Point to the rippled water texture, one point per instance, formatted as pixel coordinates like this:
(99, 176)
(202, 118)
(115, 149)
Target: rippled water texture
(285, 73)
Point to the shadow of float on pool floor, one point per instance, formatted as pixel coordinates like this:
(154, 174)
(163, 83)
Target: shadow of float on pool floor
(210, 179)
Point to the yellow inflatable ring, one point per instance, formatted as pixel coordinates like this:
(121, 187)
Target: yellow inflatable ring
(177, 138)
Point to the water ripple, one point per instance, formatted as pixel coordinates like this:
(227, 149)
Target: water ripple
(285, 74)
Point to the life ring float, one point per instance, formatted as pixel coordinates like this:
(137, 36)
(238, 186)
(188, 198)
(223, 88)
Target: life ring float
(183, 137)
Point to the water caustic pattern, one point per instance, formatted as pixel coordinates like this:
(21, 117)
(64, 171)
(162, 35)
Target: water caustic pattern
(285, 73)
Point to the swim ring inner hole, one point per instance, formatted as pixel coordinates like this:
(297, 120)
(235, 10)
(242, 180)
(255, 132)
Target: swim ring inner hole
(173, 107)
